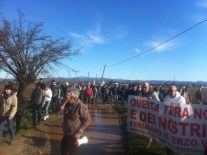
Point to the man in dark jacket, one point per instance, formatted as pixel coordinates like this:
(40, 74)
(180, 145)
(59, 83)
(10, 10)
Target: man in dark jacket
(199, 97)
(76, 119)
(145, 92)
(37, 99)
(56, 96)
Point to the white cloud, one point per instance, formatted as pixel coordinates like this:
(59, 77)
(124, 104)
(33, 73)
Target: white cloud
(90, 38)
(96, 37)
(158, 47)
(160, 40)
(202, 3)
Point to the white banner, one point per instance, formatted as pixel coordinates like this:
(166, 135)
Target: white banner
(181, 128)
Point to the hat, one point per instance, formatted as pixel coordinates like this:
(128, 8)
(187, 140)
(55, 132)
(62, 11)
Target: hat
(8, 87)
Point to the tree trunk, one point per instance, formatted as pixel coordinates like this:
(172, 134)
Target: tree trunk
(21, 104)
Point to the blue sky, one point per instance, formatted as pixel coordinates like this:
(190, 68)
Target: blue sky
(109, 31)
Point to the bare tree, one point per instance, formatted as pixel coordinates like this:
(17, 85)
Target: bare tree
(25, 52)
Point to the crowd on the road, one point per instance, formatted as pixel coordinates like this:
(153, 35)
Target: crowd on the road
(53, 93)
(55, 96)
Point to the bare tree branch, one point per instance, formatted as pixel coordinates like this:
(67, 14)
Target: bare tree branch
(25, 52)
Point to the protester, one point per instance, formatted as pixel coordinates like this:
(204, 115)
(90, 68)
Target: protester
(76, 119)
(64, 88)
(8, 109)
(153, 93)
(173, 97)
(37, 99)
(47, 101)
(145, 92)
(198, 96)
(56, 96)
(89, 94)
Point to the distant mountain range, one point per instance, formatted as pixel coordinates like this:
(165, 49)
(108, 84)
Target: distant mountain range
(121, 81)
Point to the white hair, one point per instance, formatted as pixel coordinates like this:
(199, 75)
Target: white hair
(74, 91)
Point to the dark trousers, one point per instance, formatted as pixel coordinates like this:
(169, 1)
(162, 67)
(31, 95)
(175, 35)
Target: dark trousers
(10, 127)
(36, 112)
(18, 122)
(168, 151)
(55, 102)
(68, 145)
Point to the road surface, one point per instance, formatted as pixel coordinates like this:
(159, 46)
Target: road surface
(105, 136)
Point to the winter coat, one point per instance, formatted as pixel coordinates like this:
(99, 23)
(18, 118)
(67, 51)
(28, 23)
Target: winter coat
(8, 107)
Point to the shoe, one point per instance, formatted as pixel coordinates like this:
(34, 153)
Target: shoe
(46, 117)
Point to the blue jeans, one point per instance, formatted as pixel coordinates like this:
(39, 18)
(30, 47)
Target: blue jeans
(10, 127)
(46, 107)
(36, 109)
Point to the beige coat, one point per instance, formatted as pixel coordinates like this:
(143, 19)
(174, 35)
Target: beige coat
(8, 108)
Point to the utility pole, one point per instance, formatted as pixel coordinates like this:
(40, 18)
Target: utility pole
(103, 73)
(88, 77)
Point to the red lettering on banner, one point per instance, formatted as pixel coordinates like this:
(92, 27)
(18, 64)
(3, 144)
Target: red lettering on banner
(134, 124)
(194, 130)
(133, 114)
(183, 126)
(185, 113)
(142, 116)
(162, 123)
(172, 125)
(144, 103)
(151, 118)
(184, 141)
(133, 102)
(176, 111)
(147, 117)
(199, 130)
(200, 113)
(168, 124)
(137, 124)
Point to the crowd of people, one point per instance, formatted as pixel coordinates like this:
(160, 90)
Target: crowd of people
(72, 99)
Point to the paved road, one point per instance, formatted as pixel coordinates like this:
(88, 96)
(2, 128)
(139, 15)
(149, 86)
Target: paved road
(104, 136)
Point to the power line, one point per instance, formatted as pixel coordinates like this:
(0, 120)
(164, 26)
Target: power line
(162, 43)
(68, 68)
